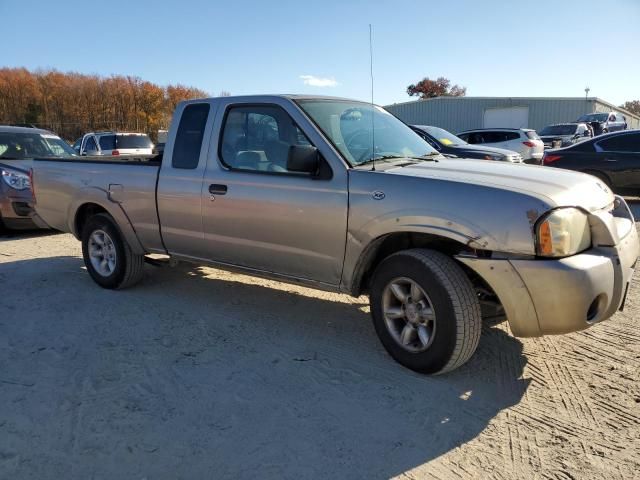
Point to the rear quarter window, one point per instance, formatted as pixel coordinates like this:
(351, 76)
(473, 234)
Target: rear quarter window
(107, 142)
(532, 135)
(511, 136)
(133, 141)
(188, 143)
(497, 137)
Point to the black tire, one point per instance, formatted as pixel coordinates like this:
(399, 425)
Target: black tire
(458, 319)
(129, 267)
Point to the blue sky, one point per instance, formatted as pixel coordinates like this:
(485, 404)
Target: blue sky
(509, 48)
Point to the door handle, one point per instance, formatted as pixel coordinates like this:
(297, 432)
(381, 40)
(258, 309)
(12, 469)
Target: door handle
(610, 160)
(217, 189)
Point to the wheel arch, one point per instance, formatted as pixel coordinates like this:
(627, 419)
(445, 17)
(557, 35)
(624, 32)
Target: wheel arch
(92, 202)
(383, 246)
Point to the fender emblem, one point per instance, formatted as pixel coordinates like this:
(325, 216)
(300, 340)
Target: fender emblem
(378, 195)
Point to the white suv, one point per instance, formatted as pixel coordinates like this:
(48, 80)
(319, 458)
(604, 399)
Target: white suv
(114, 143)
(522, 140)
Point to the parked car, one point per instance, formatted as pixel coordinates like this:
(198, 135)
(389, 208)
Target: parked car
(18, 146)
(604, 122)
(564, 134)
(614, 158)
(341, 195)
(522, 140)
(448, 144)
(114, 143)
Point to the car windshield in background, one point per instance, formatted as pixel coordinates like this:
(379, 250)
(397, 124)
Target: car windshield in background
(444, 137)
(362, 132)
(23, 146)
(594, 117)
(559, 130)
(133, 141)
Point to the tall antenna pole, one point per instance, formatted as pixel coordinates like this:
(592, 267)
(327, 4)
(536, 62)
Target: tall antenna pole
(373, 130)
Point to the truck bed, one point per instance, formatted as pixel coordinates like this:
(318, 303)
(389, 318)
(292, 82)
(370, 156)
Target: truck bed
(127, 184)
(149, 160)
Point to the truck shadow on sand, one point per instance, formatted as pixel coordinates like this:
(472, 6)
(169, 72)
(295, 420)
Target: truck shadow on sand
(196, 374)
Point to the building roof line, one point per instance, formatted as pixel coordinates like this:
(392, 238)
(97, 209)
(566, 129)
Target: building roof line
(589, 99)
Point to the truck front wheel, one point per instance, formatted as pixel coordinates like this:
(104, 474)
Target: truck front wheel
(108, 256)
(425, 311)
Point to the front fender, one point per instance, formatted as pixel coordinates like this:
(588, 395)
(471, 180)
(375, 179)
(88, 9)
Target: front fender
(100, 197)
(363, 243)
(429, 221)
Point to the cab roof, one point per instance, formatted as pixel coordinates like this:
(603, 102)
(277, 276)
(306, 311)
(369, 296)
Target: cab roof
(12, 129)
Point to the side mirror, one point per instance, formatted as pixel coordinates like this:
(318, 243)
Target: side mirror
(303, 158)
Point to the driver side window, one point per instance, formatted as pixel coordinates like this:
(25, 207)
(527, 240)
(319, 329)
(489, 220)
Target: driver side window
(258, 138)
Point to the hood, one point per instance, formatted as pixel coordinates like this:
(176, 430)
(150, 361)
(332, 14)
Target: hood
(20, 165)
(557, 187)
(479, 149)
(553, 137)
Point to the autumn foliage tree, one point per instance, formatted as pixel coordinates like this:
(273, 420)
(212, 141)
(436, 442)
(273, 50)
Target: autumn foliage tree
(71, 104)
(632, 106)
(441, 87)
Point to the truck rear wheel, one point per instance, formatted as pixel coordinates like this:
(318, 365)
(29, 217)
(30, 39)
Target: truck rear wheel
(425, 311)
(108, 256)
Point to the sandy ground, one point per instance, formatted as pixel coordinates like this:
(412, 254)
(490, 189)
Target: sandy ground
(197, 373)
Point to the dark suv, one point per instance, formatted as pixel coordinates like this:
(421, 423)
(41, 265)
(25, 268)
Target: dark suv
(564, 134)
(604, 122)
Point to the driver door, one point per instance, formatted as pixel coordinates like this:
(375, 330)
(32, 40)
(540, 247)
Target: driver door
(258, 214)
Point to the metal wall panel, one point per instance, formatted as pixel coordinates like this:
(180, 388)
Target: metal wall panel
(463, 113)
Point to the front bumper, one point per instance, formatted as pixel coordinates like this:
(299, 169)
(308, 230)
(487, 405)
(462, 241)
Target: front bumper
(546, 297)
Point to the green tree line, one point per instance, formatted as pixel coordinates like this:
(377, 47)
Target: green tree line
(71, 104)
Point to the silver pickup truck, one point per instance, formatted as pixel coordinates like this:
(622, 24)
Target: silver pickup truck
(340, 195)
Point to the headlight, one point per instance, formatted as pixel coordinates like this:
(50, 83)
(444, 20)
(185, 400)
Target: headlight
(18, 181)
(563, 232)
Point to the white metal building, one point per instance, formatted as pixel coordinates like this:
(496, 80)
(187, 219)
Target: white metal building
(464, 113)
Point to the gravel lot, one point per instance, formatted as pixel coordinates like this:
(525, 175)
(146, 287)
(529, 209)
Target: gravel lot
(198, 373)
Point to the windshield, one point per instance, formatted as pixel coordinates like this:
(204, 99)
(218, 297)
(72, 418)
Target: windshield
(23, 146)
(353, 127)
(444, 137)
(594, 117)
(559, 130)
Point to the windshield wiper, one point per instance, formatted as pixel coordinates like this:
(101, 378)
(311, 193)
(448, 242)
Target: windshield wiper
(422, 158)
(10, 158)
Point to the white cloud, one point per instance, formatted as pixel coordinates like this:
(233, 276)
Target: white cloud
(314, 81)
